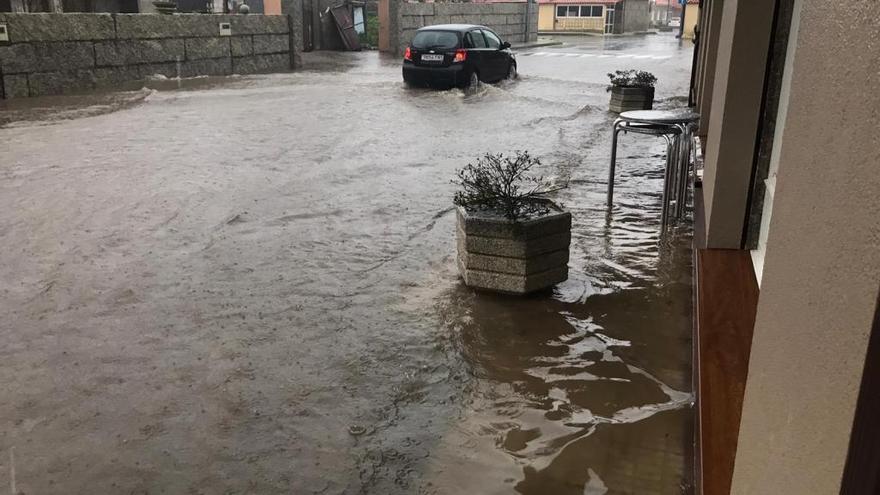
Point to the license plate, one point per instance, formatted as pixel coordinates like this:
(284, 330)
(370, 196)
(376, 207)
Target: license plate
(432, 58)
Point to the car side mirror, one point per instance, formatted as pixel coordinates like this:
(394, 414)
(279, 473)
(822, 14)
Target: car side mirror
(504, 45)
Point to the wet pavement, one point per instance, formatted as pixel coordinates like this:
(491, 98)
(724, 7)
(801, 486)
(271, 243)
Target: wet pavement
(248, 285)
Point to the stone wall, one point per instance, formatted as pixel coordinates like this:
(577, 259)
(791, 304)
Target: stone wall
(632, 16)
(506, 19)
(64, 53)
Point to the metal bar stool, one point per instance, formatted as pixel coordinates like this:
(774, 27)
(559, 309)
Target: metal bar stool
(671, 134)
(677, 127)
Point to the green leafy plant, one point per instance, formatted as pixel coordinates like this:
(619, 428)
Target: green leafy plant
(503, 184)
(370, 36)
(631, 79)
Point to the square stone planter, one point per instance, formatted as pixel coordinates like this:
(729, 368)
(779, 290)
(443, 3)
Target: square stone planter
(500, 255)
(627, 99)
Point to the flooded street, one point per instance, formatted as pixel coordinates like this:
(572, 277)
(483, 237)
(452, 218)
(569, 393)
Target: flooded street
(249, 286)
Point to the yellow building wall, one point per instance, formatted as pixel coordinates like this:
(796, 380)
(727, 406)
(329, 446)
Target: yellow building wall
(547, 21)
(545, 17)
(580, 24)
(691, 15)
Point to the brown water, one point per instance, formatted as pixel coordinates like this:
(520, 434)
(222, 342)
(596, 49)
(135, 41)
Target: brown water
(248, 286)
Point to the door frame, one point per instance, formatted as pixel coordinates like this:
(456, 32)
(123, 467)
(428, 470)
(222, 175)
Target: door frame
(609, 20)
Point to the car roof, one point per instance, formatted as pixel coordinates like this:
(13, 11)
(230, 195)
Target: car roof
(452, 27)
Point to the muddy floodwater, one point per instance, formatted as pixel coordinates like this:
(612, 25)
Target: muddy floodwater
(248, 285)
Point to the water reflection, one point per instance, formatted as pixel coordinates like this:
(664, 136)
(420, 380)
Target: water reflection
(276, 298)
(584, 395)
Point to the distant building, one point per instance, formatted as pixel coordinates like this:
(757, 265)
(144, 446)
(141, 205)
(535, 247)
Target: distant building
(594, 16)
(691, 16)
(664, 10)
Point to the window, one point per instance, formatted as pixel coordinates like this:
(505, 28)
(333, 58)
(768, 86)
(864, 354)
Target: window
(427, 40)
(492, 40)
(475, 40)
(578, 11)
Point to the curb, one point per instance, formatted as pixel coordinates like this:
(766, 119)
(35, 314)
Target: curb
(591, 33)
(537, 44)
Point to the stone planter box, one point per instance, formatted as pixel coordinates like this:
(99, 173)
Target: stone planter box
(500, 255)
(627, 99)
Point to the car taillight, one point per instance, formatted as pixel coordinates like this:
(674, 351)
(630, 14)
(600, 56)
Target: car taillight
(460, 56)
(407, 55)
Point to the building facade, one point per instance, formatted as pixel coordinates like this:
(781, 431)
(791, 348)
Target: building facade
(788, 247)
(662, 11)
(690, 18)
(594, 16)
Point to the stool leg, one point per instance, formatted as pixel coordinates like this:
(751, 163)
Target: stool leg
(676, 178)
(684, 159)
(667, 186)
(615, 130)
(686, 172)
(673, 178)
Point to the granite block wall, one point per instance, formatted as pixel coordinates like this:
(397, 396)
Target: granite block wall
(68, 53)
(507, 19)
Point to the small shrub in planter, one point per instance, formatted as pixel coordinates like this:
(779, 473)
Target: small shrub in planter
(631, 90)
(511, 237)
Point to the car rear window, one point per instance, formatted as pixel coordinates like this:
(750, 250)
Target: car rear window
(439, 40)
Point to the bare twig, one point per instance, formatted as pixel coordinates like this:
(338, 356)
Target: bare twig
(501, 183)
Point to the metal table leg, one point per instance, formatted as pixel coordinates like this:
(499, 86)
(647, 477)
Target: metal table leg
(667, 174)
(683, 168)
(615, 130)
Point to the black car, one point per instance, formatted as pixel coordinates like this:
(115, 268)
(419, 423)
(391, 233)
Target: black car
(457, 55)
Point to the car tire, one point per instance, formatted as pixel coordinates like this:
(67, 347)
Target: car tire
(511, 72)
(473, 81)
